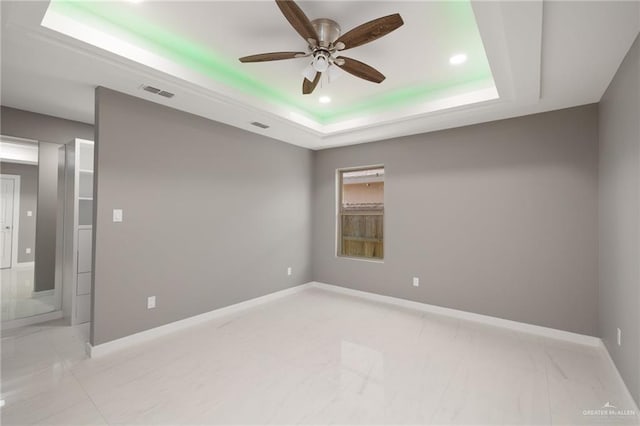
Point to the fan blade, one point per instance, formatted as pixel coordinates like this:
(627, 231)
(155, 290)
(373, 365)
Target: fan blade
(370, 31)
(275, 56)
(360, 69)
(298, 20)
(309, 86)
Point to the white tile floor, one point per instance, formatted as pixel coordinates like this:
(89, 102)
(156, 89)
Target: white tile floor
(315, 357)
(17, 296)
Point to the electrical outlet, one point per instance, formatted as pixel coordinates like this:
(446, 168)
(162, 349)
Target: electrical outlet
(28, 250)
(289, 270)
(619, 337)
(416, 282)
(151, 302)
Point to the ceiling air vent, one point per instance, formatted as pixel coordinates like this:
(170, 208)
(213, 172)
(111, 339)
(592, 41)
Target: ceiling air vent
(157, 91)
(151, 89)
(261, 125)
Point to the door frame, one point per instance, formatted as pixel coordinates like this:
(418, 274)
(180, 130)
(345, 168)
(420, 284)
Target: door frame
(15, 226)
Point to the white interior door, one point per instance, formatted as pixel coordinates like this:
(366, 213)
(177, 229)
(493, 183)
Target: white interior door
(6, 221)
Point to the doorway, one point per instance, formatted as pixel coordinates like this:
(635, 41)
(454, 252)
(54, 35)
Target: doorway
(9, 208)
(28, 191)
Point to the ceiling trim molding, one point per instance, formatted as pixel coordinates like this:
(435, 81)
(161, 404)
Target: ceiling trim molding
(153, 76)
(179, 75)
(532, 48)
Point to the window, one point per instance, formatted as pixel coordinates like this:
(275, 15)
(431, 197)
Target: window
(361, 213)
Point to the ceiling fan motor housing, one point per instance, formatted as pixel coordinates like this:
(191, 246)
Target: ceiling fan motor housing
(328, 31)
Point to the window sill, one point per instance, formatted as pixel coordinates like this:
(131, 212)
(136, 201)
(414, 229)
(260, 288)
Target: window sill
(361, 259)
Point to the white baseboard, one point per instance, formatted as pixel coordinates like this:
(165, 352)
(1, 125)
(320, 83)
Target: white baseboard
(35, 319)
(619, 378)
(469, 316)
(43, 293)
(144, 336)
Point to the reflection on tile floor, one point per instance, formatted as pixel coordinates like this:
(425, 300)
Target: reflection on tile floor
(313, 357)
(18, 300)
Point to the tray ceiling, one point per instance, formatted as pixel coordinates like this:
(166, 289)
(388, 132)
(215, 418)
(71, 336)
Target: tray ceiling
(522, 58)
(200, 41)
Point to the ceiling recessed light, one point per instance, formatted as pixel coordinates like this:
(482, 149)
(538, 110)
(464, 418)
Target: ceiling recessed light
(458, 59)
(324, 99)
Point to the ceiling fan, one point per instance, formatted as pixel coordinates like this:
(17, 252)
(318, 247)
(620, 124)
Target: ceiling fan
(325, 45)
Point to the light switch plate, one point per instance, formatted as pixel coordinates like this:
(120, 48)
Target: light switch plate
(117, 215)
(151, 302)
(416, 281)
(29, 213)
(28, 251)
(289, 271)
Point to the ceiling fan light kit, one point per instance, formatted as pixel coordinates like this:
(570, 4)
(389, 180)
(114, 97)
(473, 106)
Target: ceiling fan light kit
(325, 44)
(321, 61)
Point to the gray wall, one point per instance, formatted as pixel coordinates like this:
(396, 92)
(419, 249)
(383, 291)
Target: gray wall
(30, 125)
(497, 218)
(213, 215)
(28, 202)
(51, 132)
(619, 296)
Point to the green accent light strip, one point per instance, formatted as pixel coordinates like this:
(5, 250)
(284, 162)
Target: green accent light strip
(176, 48)
(399, 98)
(118, 21)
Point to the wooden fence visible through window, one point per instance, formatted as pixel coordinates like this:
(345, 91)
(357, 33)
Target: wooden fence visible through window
(362, 230)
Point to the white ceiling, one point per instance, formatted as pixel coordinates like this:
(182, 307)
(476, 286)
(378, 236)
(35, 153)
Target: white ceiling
(543, 56)
(417, 52)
